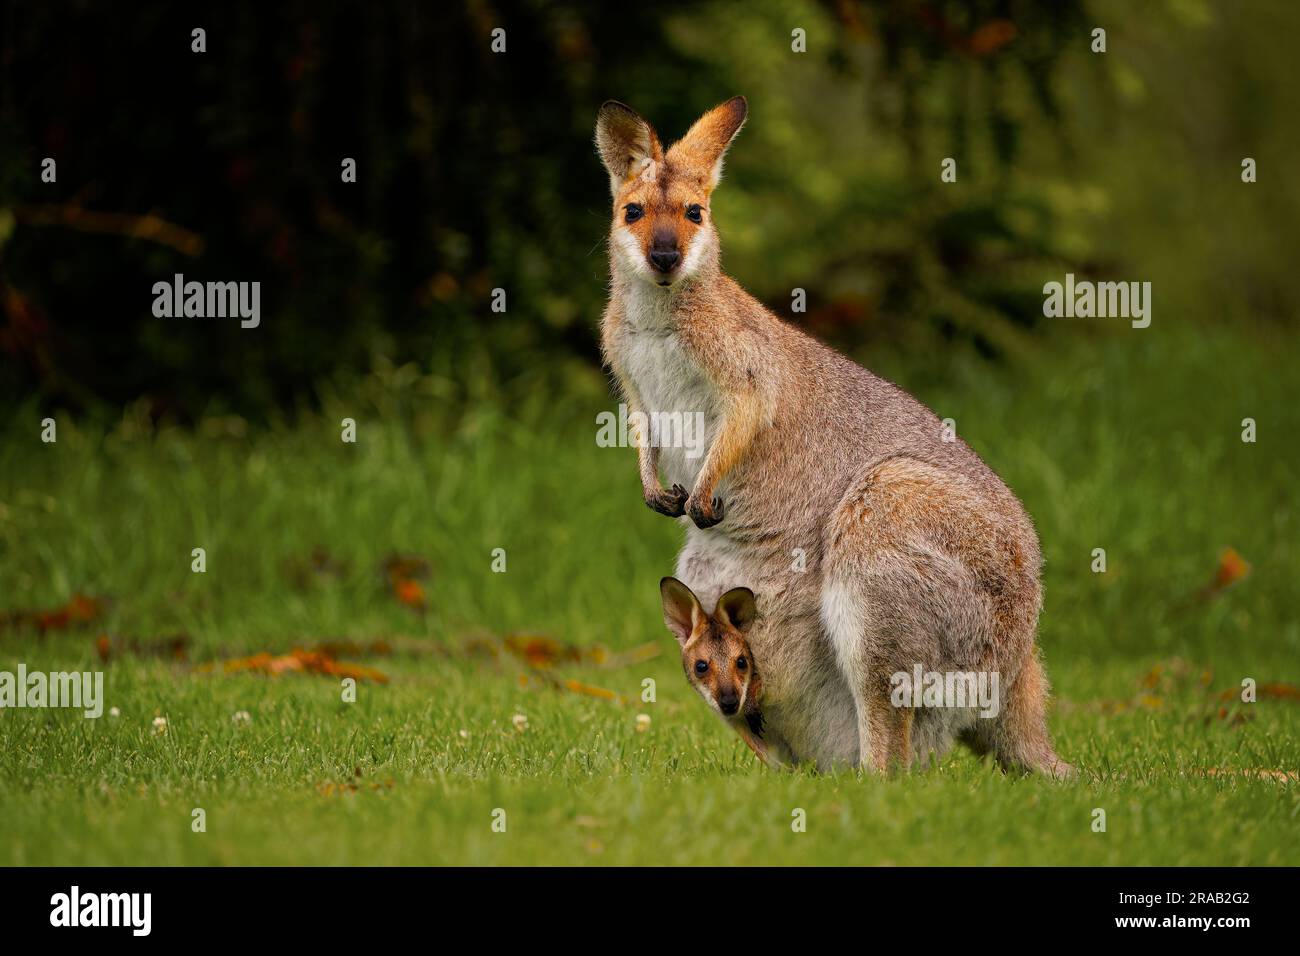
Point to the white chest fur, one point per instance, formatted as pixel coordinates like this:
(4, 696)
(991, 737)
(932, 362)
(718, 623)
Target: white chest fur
(673, 392)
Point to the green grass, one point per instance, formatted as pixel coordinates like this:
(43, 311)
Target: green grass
(1130, 443)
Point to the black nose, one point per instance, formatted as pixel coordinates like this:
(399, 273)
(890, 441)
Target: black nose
(665, 259)
(729, 704)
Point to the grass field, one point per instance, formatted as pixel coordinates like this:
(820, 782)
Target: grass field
(1130, 443)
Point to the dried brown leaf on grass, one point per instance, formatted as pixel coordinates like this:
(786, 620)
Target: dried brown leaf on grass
(540, 651)
(1232, 568)
(1278, 690)
(541, 654)
(297, 660)
(410, 593)
(173, 646)
(78, 611)
(403, 573)
(332, 789)
(1172, 680)
(544, 679)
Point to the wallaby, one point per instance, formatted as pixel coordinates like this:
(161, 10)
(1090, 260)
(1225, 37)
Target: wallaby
(876, 539)
(716, 656)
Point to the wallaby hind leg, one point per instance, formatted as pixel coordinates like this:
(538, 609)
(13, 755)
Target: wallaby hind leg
(923, 568)
(1018, 735)
(884, 731)
(887, 731)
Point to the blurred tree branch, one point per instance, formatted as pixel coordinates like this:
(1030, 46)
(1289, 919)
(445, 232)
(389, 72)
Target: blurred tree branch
(147, 226)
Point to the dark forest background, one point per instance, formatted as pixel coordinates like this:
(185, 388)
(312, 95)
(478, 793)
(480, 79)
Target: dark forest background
(476, 171)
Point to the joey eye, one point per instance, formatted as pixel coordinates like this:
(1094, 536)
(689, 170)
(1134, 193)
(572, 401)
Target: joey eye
(741, 663)
(694, 213)
(701, 667)
(634, 212)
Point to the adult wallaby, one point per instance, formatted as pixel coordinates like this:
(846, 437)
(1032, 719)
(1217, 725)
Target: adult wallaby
(874, 540)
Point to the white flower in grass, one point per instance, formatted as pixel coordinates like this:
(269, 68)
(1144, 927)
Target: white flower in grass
(114, 712)
(642, 723)
(159, 725)
(241, 718)
(520, 722)
(464, 735)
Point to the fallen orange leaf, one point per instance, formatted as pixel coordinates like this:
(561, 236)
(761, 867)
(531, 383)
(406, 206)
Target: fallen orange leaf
(1275, 689)
(580, 688)
(536, 678)
(538, 650)
(302, 661)
(1152, 679)
(409, 593)
(1232, 568)
(80, 609)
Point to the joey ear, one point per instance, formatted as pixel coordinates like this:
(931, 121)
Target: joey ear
(737, 608)
(627, 144)
(682, 611)
(706, 142)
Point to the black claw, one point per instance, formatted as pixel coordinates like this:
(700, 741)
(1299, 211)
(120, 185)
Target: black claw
(670, 503)
(702, 521)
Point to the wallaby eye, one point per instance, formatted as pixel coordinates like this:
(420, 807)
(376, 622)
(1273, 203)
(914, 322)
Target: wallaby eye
(701, 667)
(634, 212)
(741, 663)
(694, 213)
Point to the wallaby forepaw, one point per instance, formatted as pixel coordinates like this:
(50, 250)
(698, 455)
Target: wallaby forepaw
(705, 515)
(671, 503)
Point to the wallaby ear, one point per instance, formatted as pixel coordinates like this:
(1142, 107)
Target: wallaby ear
(627, 144)
(737, 608)
(706, 142)
(682, 611)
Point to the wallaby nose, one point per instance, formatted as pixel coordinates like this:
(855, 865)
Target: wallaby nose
(665, 260)
(729, 704)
